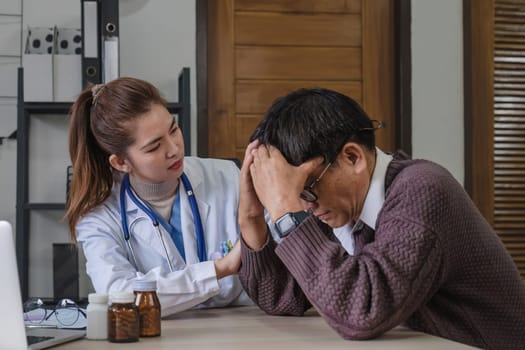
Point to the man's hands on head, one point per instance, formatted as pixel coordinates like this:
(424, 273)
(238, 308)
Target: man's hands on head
(249, 201)
(251, 211)
(277, 183)
(269, 181)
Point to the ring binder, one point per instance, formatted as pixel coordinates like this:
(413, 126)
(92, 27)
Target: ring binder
(91, 64)
(109, 27)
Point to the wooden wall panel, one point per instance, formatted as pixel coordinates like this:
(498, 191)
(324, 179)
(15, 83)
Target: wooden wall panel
(221, 72)
(314, 6)
(257, 96)
(298, 63)
(272, 47)
(254, 28)
(378, 80)
(246, 124)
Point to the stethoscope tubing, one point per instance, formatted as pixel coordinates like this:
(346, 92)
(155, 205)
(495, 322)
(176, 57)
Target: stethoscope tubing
(201, 244)
(126, 189)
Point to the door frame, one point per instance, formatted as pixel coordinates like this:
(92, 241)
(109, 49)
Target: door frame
(403, 76)
(478, 66)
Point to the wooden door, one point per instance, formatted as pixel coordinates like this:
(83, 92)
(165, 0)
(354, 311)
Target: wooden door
(260, 50)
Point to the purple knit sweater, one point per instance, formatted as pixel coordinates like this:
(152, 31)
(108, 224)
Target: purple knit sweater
(433, 264)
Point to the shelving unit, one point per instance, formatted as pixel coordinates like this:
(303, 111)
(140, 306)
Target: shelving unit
(23, 206)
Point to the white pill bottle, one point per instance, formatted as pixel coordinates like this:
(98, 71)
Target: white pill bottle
(97, 316)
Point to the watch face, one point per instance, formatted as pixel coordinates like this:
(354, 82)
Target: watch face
(289, 221)
(285, 225)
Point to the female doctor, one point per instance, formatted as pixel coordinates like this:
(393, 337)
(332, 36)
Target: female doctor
(141, 210)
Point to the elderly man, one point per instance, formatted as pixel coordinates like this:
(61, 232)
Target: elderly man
(371, 240)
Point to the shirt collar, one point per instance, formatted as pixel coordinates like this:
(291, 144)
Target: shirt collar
(376, 193)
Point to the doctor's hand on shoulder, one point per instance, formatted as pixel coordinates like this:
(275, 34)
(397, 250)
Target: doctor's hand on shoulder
(230, 263)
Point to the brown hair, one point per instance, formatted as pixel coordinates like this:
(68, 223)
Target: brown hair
(99, 127)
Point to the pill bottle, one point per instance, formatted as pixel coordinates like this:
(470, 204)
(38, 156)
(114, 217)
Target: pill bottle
(148, 304)
(97, 316)
(123, 318)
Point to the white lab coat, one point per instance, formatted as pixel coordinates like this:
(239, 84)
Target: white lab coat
(110, 264)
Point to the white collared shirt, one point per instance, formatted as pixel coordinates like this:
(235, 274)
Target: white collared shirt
(373, 203)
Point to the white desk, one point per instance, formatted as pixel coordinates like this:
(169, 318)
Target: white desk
(250, 328)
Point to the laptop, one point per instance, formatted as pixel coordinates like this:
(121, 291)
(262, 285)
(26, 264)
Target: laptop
(13, 333)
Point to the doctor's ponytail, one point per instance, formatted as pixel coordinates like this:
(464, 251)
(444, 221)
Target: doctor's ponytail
(92, 177)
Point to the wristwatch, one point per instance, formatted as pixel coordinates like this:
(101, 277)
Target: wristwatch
(289, 221)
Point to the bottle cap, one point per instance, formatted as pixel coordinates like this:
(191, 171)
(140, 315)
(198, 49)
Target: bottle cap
(144, 285)
(98, 298)
(123, 297)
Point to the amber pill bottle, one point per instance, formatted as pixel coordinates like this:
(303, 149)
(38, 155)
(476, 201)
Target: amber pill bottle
(148, 304)
(123, 318)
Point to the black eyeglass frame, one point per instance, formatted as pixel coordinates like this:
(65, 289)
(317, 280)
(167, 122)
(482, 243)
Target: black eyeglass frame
(308, 194)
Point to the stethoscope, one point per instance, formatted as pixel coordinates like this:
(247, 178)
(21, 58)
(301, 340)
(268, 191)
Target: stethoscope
(199, 231)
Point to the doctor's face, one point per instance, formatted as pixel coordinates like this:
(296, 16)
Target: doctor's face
(157, 155)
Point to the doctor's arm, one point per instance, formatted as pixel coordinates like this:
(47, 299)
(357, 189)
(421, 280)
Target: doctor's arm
(229, 264)
(111, 268)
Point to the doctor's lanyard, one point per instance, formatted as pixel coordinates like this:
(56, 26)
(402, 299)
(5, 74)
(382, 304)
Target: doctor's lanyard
(156, 220)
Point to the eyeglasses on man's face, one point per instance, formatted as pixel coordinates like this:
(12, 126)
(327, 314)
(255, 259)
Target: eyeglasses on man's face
(308, 194)
(66, 311)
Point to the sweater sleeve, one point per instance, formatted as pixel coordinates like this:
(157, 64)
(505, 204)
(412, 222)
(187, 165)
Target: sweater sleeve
(365, 295)
(268, 283)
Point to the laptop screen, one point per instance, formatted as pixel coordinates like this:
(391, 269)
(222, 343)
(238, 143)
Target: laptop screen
(12, 327)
